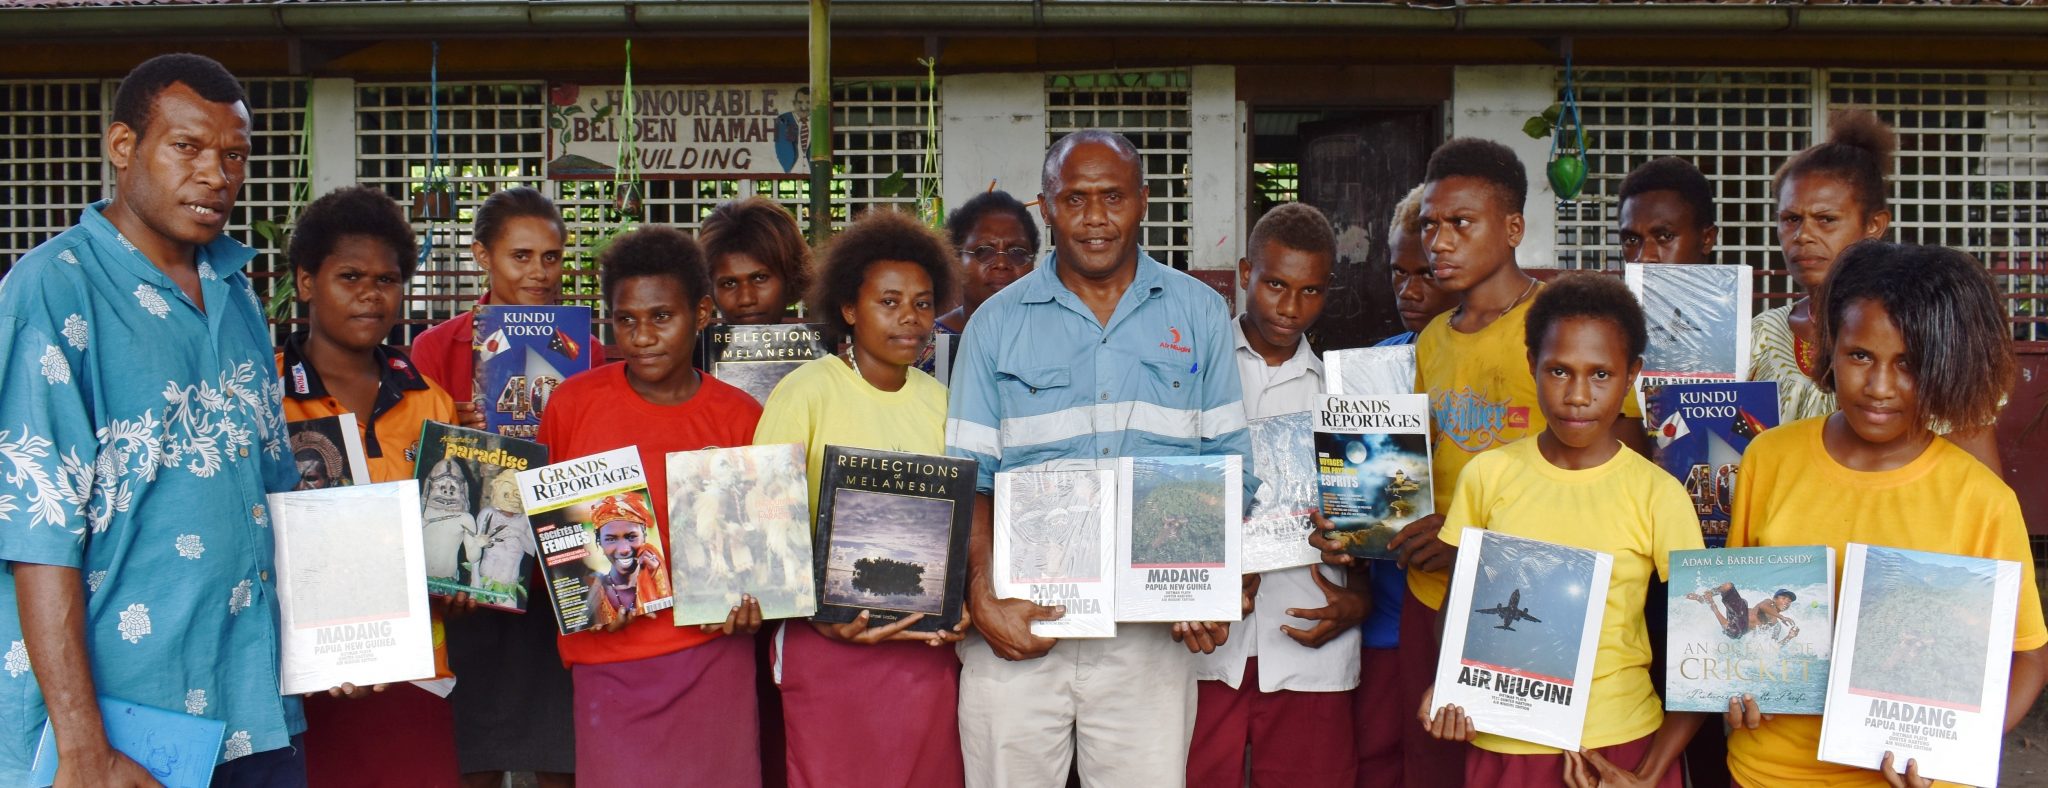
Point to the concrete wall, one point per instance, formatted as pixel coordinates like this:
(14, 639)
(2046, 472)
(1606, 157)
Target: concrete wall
(1217, 168)
(992, 127)
(1492, 102)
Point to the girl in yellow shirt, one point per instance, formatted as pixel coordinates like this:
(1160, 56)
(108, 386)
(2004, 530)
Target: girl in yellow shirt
(1574, 484)
(1908, 335)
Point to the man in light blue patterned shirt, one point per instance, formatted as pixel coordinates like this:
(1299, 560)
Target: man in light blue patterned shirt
(141, 425)
(1099, 353)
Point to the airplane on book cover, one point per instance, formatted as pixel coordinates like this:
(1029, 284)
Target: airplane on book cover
(1510, 612)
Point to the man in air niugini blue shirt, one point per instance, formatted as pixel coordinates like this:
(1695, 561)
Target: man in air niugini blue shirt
(1099, 353)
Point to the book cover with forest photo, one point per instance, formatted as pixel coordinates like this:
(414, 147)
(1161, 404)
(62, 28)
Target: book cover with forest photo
(1923, 653)
(892, 537)
(1179, 528)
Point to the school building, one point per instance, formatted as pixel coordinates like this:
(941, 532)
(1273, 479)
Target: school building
(1235, 105)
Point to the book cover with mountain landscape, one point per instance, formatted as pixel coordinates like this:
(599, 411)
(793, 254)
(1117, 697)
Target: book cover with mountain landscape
(892, 537)
(1179, 528)
(1923, 654)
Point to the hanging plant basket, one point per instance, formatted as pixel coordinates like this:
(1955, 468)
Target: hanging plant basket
(434, 202)
(627, 200)
(1567, 173)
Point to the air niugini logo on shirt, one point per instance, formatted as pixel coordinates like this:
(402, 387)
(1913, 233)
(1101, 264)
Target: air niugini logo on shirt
(1174, 343)
(1473, 422)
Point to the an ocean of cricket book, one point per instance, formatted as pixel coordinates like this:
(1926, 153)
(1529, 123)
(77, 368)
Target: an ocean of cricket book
(1373, 468)
(1698, 319)
(1923, 651)
(892, 537)
(352, 587)
(1749, 621)
(1054, 545)
(178, 750)
(328, 452)
(1283, 458)
(1702, 430)
(739, 523)
(755, 358)
(1179, 529)
(1521, 629)
(600, 550)
(478, 539)
(522, 353)
(1370, 371)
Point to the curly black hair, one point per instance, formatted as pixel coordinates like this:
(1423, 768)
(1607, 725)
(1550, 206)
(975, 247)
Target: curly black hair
(351, 211)
(764, 230)
(1943, 303)
(1587, 295)
(962, 221)
(876, 236)
(1486, 160)
(1858, 151)
(653, 250)
(1294, 225)
(135, 100)
(1677, 175)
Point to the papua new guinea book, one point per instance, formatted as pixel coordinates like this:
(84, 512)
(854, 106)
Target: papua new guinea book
(351, 587)
(892, 536)
(478, 539)
(1283, 457)
(1749, 620)
(1179, 529)
(739, 522)
(1701, 430)
(1054, 535)
(1371, 371)
(1923, 653)
(1698, 319)
(1521, 629)
(1373, 468)
(328, 452)
(600, 545)
(755, 358)
(522, 353)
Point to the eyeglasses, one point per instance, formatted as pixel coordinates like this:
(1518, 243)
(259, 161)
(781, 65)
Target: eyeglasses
(1016, 256)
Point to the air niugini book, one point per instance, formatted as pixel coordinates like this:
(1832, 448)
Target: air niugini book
(1521, 629)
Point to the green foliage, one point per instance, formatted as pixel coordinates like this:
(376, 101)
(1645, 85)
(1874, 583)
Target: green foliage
(1178, 523)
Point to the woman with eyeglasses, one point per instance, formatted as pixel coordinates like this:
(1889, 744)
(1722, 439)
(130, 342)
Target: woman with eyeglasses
(998, 242)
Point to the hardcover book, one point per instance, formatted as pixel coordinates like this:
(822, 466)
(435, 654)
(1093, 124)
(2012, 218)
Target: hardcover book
(352, 587)
(178, 750)
(328, 452)
(600, 547)
(1283, 459)
(1698, 318)
(1179, 527)
(1372, 468)
(755, 358)
(892, 537)
(1521, 629)
(1923, 652)
(739, 522)
(1054, 545)
(522, 353)
(1371, 371)
(478, 539)
(1702, 429)
(1749, 620)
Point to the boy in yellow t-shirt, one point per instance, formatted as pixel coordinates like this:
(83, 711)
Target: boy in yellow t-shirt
(1908, 335)
(1574, 484)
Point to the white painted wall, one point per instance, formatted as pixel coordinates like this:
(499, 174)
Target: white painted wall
(1217, 237)
(334, 134)
(1492, 102)
(992, 127)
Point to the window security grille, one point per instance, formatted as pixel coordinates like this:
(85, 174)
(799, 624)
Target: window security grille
(1154, 110)
(51, 164)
